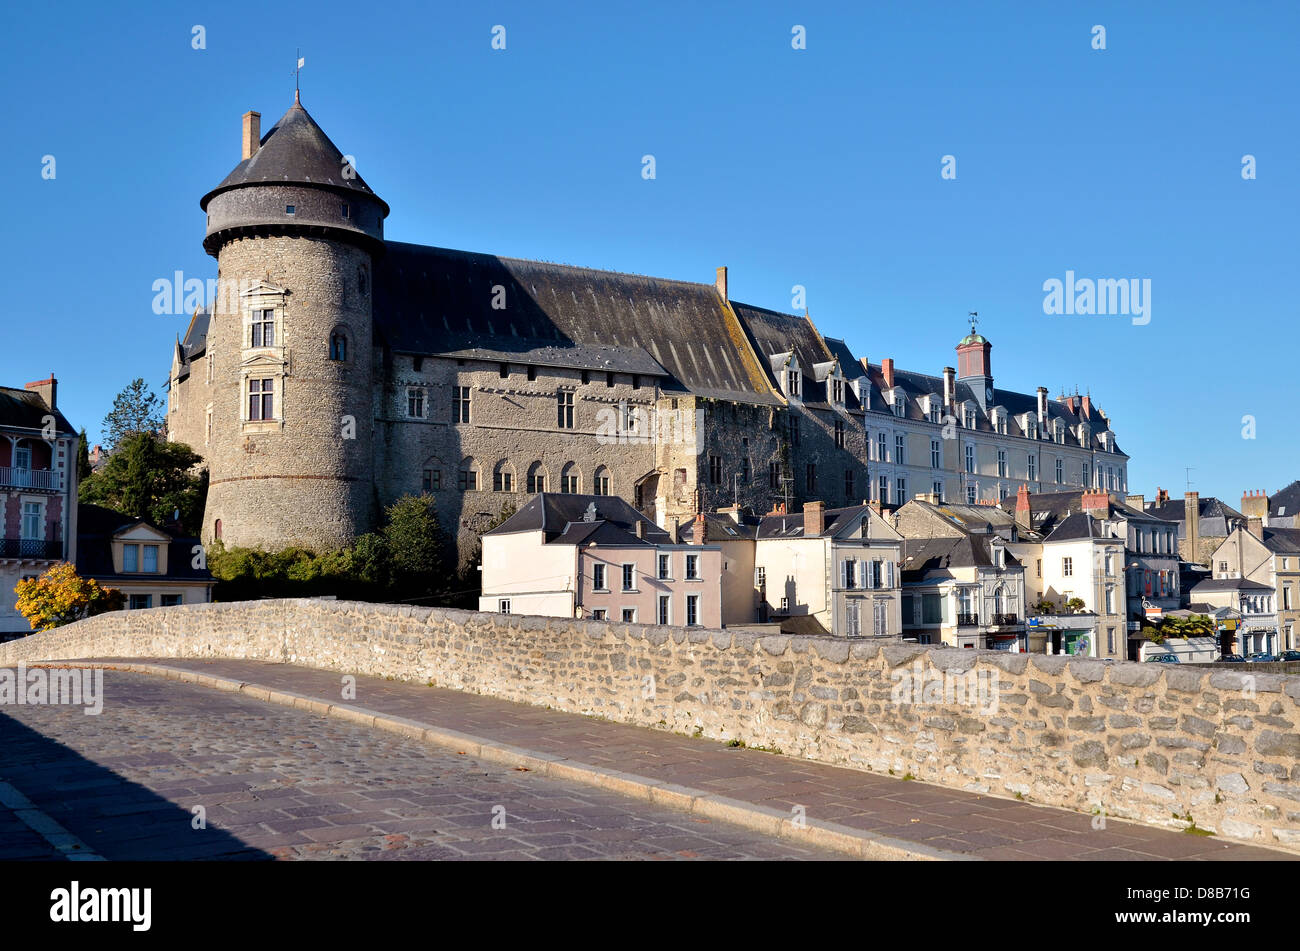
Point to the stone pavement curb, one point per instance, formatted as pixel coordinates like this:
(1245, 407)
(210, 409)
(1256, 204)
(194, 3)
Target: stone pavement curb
(699, 802)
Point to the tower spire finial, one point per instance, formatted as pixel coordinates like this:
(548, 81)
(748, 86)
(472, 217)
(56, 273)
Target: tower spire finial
(296, 70)
(973, 317)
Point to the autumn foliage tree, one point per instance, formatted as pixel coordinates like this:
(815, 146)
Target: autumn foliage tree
(60, 596)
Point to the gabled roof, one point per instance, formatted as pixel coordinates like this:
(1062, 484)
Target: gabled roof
(295, 151)
(791, 526)
(927, 557)
(977, 519)
(1051, 511)
(572, 519)
(25, 409)
(1229, 584)
(1284, 541)
(1175, 510)
(439, 301)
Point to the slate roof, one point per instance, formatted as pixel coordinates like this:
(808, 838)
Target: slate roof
(1229, 584)
(562, 517)
(773, 333)
(791, 526)
(979, 519)
(924, 557)
(96, 527)
(439, 301)
(1282, 540)
(1059, 516)
(721, 527)
(1286, 503)
(1211, 511)
(294, 151)
(916, 385)
(24, 409)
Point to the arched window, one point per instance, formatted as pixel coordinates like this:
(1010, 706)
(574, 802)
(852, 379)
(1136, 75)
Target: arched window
(600, 484)
(536, 478)
(339, 346)
(216, 529)
(431, 478)
(468, 478)
(503, 477)
(570, 481)
(362, 276)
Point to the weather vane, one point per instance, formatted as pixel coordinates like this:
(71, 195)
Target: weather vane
(297, 69)
(973, 316)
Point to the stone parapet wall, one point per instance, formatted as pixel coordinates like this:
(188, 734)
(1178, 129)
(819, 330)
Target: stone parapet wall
(1160, 744)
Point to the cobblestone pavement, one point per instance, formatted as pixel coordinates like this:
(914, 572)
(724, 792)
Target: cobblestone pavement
(929, 815)
(278, 782)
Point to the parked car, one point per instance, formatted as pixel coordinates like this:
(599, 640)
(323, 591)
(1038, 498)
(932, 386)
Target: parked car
(1261, 658)
(1163, 659)
(1232, 659)
(1289, 655)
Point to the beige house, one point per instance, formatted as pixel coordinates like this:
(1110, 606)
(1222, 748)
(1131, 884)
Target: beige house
(597, 557)
(151, 567)
(1257, 572)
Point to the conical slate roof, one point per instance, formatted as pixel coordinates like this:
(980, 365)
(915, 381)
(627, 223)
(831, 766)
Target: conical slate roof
(295, 151)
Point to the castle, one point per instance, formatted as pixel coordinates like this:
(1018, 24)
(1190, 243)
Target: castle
(337, 371)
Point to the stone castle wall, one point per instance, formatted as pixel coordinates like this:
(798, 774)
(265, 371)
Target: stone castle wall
(1152, 743)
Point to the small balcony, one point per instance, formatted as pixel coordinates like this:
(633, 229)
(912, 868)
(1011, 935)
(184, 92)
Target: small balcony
(48, 480)
(968, 620)
(34, 548)
(1005, 620)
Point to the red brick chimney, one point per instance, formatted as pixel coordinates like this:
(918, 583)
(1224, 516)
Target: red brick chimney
(777, 509)
(1024, 514)
(1087, 407)
(701, 534)
(252, 134)
(1253, 504)
(814, 518)
(48, 390)
(1162, 496)
(887, 370)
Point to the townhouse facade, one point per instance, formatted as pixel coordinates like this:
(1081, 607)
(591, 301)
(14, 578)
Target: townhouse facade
(1257, 573)
(38, 491)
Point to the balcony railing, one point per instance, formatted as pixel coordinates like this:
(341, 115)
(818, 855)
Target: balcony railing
(31, 548)
(968, 620)
(13, 477)
(1005, 619)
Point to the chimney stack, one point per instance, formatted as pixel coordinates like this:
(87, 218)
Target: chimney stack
(1087, 407)
(640, 528)
(732, 511)
(1097, 503)
(1024, 514)
(1138, 502)
(1255, 505)
(1192, 523)
(814, 519)
(700, 535)
(1042, 408)
(949, 387)
(1255, 526)
(48, 390)
(671, 524)
(252, 133)
(1162, 496)
(721, 282)
(887, 370)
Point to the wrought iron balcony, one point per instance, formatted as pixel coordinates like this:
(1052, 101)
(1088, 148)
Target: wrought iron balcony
(1003, 620)
(16, 478)
(968, 620)
(31, 548)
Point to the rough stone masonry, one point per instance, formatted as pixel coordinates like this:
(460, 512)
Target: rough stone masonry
(1156, 744)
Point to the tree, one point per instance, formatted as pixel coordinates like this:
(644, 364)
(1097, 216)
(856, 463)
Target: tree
(1075, 605)
(415, 546)
(1045, 606)
(151, 479)
(83, 457)
(135, 410)
(60, 596)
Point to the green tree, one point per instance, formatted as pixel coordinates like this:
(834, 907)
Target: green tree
(151, 479)
(135, 410)
(83, 456)
(415, 547)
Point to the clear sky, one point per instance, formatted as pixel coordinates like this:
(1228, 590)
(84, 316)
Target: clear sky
(818, 167)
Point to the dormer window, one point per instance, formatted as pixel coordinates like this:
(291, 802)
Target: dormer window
(1058, 431)
(837, 390)
(1000, 422)
(968, 417)
(899, 402)
(1030, 427)
(792, 383)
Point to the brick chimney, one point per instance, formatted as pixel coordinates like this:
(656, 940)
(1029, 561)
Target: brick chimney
(1192, 524)
(721, 282)
(701, 534)
(1087, 407)
(48, 390)
(949, 386)
(640, 528)
(252, 133)
(1254, 504)
(1097, 503)
(1024, 514)
(1162, 496)
(778, 508)
(887, 370)
(814, 518)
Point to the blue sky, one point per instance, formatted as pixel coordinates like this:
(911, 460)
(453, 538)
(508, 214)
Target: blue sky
(817, 167)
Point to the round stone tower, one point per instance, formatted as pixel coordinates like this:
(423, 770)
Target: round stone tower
(295, 232)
